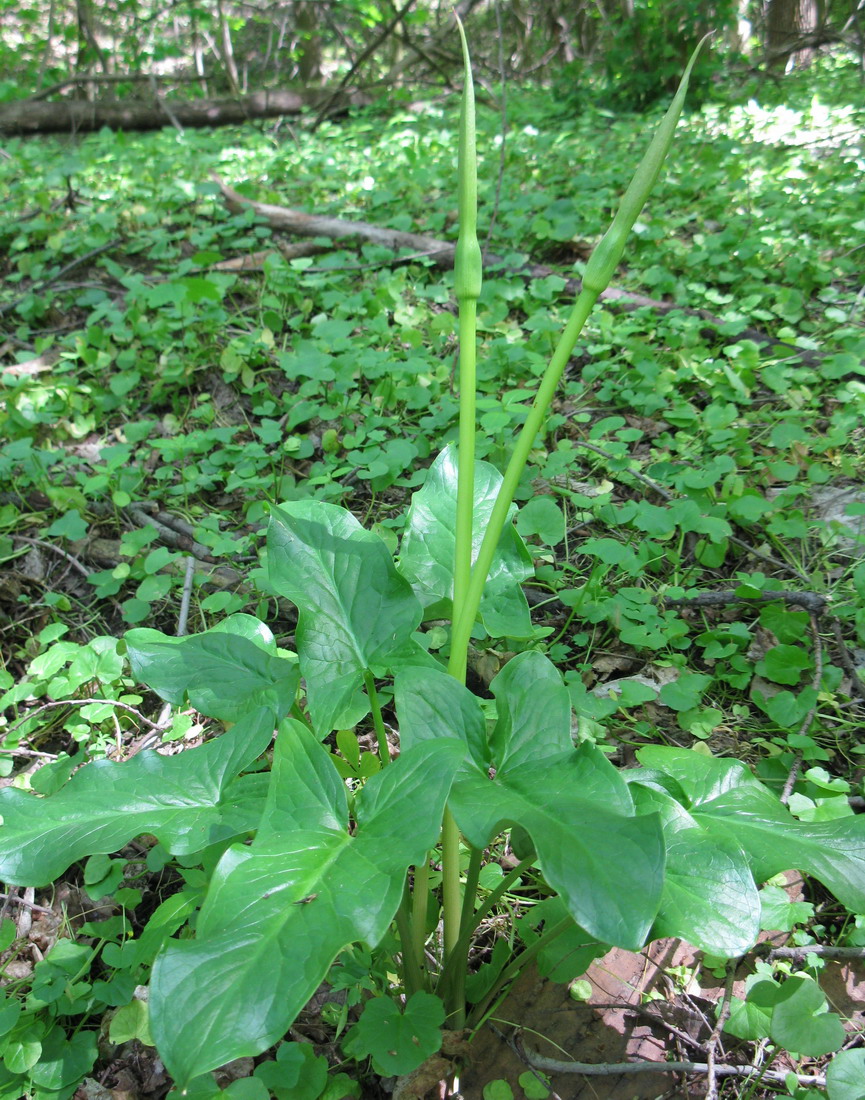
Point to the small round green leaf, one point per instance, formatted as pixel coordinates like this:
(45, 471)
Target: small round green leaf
(801, 1023)
(398, 1042)
(845, 1076)
(544, 518)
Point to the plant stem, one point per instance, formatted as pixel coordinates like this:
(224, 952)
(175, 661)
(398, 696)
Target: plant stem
(465, 475)
(452, 900)
(420, 906)
(470, 923)
(473, 874)
(452, 981)
(599, 271)
(468, 274)
(468, 277)
(510, 972)
(412, 974)
(377, 720)
(466, 613)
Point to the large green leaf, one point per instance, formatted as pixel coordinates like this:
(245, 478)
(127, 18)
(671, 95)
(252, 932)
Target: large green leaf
(431, 704)
(427, 552)
(187, 801)
(224, 672)
(726, 799)
(277, 913)
(355, 612)
(534, 712)
(845, 1076)
(607, 866)
(710, 898)
(605, 862)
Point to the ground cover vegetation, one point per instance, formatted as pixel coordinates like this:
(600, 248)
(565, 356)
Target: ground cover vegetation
(229, 470)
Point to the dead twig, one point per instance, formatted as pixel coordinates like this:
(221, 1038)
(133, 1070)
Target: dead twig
(825, 952)
(167, 528)
(812, 602)
(386, 30)
(35, 754)
(183, 615)
(518, 1051)
(77, 703)
(856, 685)
(74, 562)
(39, 288)
(13, 899)
(607, 1069)
(715, 1037)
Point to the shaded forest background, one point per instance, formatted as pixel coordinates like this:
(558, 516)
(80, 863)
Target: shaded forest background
(277, 58)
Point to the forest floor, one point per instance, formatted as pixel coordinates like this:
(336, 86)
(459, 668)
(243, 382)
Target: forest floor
(171, 364)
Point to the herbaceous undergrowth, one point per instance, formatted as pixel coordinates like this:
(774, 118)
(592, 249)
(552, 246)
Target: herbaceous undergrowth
(317, 854)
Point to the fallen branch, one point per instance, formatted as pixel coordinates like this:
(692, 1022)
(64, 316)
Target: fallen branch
(441, 253)
(607, 1069)
(715, 1038)
(29, 116)
(13, 899)
(827, 952)
(31, 714)
(812, 602)
(74, 562)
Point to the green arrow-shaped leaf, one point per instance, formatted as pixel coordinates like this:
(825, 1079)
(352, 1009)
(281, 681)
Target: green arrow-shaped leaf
(224, 672)
(355, 611)
(801, 1023)
(845, 1077)
(710, 898)
(427, 552)
(725, 798)
(606, 862)
(534, 712)
(188, 801)
(277, 913)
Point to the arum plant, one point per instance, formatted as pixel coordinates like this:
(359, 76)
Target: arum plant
(329, 847)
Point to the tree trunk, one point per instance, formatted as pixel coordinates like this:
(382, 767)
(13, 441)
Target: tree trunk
(788, 22)
(30, 116)
(308, 43)
(226, 49)
(89, 51)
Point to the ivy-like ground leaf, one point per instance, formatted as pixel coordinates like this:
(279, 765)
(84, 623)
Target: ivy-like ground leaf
(223, 673)
(277, 913)
(187, 801)
(845, 1076)
(427, 553)
(397, 1041)
(801, 1023)
(355, 612)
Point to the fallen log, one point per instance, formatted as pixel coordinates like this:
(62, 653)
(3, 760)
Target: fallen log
(31, 116)
(441, 253)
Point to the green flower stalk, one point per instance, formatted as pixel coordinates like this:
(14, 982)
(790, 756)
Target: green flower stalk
(468, 274)
(468, 267)
(599, 271)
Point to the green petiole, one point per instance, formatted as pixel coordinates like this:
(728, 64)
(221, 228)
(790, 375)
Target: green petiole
(599, 271)
(468, 266)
